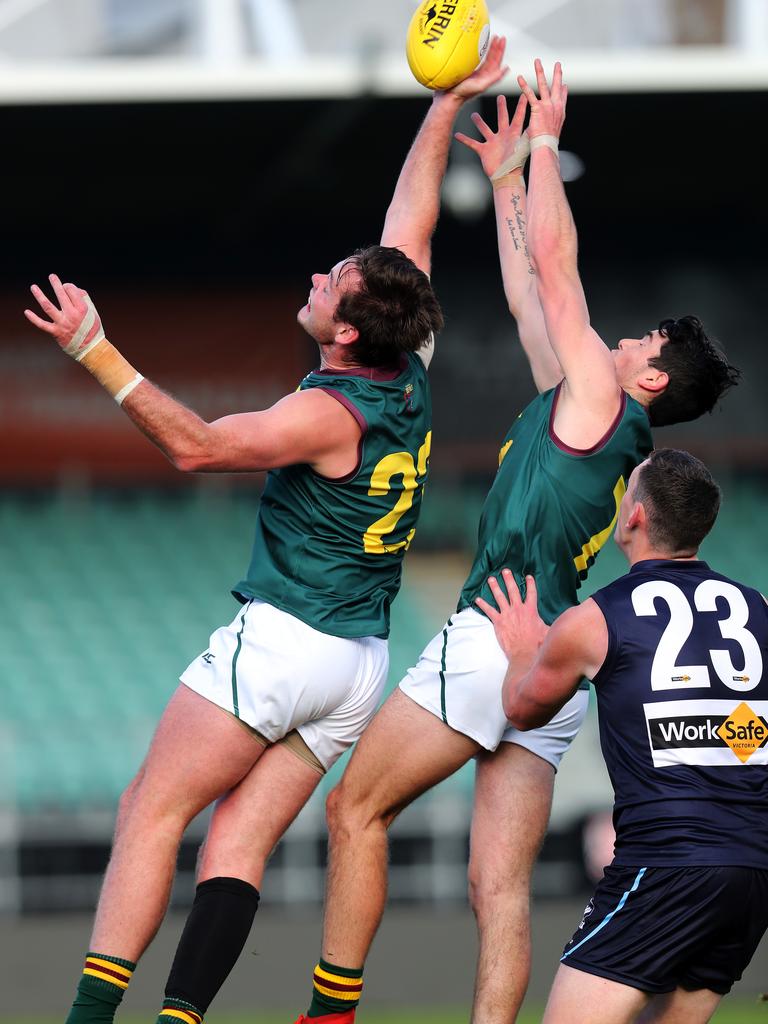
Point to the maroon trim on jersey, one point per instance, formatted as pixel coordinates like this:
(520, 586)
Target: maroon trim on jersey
(369, 372)
(361, 422)
(603, 440)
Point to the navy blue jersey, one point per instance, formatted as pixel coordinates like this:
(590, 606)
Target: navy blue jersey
(683, 704)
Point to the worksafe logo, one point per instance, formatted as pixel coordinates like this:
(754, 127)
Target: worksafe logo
(707, 732)
(744, 732)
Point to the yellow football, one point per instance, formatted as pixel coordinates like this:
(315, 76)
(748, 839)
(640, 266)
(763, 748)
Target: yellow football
(446, 41)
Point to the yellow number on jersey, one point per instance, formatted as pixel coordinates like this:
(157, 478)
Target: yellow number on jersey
(396, 464)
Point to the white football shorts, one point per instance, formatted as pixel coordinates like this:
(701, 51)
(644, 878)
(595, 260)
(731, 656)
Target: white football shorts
(278, 675)
(459, 678)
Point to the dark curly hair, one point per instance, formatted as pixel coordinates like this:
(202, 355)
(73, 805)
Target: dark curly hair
(394, 310)
(699, 374)
(680, 497)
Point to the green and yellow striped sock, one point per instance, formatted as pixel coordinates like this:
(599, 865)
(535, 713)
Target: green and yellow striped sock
(175, 1010)
(335, 989)
(100, 990)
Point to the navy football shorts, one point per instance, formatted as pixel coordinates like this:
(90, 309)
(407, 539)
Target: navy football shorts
(658, 928)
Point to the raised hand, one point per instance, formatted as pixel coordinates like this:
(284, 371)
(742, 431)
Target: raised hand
(498, 147)
(548, 108)
(74, 323)
(489, 73)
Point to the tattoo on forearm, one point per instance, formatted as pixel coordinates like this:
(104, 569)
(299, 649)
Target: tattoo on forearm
(516, 226)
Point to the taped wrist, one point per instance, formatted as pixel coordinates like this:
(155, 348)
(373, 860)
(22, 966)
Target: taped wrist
(213, 938)
(111, 369)
(516, 160)
(513, 180)
(90, 347)
(551, 141)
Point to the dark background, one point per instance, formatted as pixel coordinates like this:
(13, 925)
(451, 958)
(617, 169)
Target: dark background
(150, 199)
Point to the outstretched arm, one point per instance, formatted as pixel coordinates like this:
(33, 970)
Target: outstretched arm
(508, 145)
(591, 385)
(546, 664)
(308, 426)
(415, 207)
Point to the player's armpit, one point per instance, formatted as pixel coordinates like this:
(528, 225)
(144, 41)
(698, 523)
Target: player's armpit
(305, 427)
(575, 647)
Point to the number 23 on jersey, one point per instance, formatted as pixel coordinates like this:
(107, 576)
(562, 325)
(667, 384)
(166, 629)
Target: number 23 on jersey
(413, 473)
(666, 674)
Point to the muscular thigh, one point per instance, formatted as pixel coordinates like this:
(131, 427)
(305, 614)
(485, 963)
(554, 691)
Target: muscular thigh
(198, 752)
(513, 798)
(252, 818)
(404, 752)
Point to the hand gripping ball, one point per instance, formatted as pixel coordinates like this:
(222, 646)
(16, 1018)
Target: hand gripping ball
(446, 41)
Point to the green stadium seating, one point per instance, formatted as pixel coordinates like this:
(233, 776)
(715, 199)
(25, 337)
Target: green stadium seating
(105, 600)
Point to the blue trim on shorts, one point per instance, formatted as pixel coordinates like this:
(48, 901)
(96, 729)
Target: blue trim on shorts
(608, 917)
(235, 656)
(442, 671)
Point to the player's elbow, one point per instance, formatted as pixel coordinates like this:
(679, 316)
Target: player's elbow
(199, 460)
(187, 460)
(521, 713)
(527, 720)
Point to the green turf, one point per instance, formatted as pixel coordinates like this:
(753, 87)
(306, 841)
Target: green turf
(735, 1011)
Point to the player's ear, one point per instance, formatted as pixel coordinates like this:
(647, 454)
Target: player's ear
(653, 380)
(637, 517)
(346, 334)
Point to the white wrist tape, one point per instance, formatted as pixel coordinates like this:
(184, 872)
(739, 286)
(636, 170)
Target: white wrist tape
(86, 324)
(517, 159)
(123, 393)
(545, 140)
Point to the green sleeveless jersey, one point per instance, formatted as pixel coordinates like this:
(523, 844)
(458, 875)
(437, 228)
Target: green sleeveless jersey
(551, 508)
(329, 551)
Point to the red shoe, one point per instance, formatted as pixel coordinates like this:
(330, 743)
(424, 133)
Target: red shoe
(347, 1017)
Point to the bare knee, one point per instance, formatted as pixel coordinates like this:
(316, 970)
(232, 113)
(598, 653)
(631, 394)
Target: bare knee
(349, 814)
(144, 804)
(129, 796)
(494, 888)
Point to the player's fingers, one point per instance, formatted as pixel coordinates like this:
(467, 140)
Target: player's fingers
(519, 115)
(473, 144)
(45, 303)
(564, 97)
(485, 129)
(76, 296)
(502, 112)
(527, 91)
(490, 611)
(495, 50)
(541, 79)
(511, 584)
(557, 80)
(44, 325)
(531, 595)
(498, 594)
(503, 70)
(58, 287)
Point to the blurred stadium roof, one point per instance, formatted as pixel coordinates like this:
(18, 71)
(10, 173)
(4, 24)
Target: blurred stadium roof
(132, 50)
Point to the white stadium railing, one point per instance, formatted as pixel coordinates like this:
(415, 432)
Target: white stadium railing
(142, 50)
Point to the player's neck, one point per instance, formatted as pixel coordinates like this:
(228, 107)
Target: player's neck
(644, 552)
(334, 357)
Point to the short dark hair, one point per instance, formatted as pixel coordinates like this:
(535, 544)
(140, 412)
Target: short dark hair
(699, 373)
(394, 310)
(680, 497)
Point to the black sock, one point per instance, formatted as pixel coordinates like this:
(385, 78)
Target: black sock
(213, 938)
